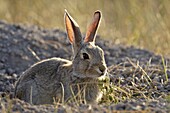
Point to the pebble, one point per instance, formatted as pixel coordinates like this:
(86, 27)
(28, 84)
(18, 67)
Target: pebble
(10, 71)
(1, 65)
(2, 72)
(160, 87)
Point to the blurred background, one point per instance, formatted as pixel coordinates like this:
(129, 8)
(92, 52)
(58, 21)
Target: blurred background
(142, 23)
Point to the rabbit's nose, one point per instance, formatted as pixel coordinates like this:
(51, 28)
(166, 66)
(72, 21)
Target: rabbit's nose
(102, 69)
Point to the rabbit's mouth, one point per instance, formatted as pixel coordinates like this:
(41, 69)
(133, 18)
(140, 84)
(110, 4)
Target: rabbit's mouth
(101, 72)
(97, 70)
(95, 73)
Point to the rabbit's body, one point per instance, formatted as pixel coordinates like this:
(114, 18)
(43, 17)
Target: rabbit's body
(58, 79)
(41, 82)
(42, 85)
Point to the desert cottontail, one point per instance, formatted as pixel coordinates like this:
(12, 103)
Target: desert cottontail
(57, 79)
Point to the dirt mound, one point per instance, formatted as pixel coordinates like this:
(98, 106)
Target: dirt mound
(21, 46)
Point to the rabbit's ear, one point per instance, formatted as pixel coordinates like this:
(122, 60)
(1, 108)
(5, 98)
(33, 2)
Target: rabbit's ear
(73, 31)
(92, 29)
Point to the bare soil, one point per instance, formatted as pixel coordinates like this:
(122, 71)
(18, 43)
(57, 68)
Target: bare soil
(140, 73)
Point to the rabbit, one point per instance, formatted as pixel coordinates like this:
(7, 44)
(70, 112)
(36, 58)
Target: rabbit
(60, 80)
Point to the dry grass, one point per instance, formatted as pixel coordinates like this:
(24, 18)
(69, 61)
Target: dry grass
(140, 82)
(142, 23)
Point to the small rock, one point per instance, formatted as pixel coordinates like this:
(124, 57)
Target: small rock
(61, 110)
(15, 75)
(160, 87)
(10, 71)
(157, 79)
(2, 72)
(1, 65)
(120, 106)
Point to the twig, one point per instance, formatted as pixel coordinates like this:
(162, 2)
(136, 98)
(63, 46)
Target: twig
(34, 54)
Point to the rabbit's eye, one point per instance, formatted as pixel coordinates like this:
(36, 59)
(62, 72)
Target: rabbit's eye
(85, 56)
